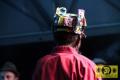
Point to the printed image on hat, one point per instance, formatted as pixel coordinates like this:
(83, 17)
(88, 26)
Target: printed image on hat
(68, 22)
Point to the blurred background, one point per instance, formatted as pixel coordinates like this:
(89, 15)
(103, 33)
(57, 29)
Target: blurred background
(25, 30)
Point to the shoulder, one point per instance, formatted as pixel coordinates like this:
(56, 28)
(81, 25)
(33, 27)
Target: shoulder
(46, 58)
(86, 61)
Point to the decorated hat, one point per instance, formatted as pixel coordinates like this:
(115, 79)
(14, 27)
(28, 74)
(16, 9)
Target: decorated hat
(69, 22)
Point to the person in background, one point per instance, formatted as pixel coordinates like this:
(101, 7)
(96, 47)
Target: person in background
(99, 61)
(65, 62)
(9, 72)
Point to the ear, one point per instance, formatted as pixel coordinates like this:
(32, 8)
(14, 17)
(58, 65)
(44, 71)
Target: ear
(77, 43)
(82, 35)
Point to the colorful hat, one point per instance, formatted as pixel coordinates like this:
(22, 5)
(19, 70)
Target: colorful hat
(68, 22)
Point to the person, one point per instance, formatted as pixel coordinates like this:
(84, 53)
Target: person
(9, 72)
(65, 62)
(99, 61)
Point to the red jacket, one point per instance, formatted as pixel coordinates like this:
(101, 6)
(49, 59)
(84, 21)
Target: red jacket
(64, 64)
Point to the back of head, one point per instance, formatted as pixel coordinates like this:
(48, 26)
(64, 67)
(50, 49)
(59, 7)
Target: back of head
(65, 38)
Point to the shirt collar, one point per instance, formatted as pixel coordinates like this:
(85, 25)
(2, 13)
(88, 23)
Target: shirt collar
(65, 49)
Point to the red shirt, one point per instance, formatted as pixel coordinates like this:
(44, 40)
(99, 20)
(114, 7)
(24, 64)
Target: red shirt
(64, 64)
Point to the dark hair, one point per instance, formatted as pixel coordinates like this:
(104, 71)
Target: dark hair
(65, 38)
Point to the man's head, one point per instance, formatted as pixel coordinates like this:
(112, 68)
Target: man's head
(64, 38)
(9, 72)
(69, 28)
